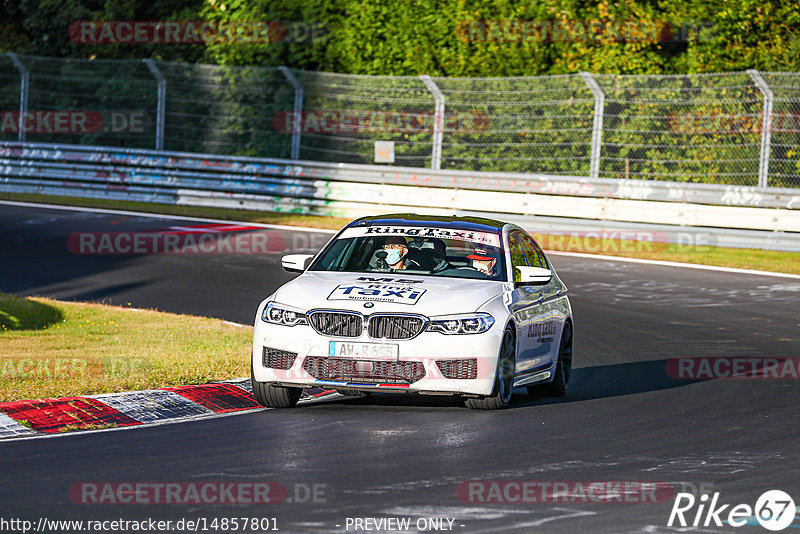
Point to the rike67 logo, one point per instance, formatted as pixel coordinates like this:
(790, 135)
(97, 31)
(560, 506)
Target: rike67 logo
(774, 510)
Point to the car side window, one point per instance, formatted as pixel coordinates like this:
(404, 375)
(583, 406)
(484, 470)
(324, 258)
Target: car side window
(532, 253)
(517, 255)
(542, 257)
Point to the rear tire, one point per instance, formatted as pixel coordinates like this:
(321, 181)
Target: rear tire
(271, 396)
(504, 377)
(558, 386)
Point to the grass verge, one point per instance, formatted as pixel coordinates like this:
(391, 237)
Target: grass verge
(740, 258)
(50, 348)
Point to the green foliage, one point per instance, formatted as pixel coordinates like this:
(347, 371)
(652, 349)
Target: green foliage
(41, 27)
(412, 37)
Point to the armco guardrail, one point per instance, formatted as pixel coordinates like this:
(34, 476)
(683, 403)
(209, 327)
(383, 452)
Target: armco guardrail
(351, 190)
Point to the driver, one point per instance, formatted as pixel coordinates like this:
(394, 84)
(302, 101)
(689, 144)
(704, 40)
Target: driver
(482, 261)
(396, 252)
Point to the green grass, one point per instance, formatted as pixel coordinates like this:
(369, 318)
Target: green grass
(75, 427)
(58, 349)
(25, 423)
(25, 314)
(763, 260)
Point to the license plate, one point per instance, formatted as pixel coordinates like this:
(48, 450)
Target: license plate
(369, 351)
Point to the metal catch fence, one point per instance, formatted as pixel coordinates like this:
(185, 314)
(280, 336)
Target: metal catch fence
(740, 128)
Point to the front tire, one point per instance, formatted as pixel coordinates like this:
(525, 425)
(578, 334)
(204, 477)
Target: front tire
(271, 396)
(504, 377)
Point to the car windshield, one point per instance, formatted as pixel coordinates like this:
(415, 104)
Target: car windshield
(433, 251)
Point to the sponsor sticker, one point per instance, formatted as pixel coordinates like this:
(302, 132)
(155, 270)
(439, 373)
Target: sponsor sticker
(395, 293)
(543, 332)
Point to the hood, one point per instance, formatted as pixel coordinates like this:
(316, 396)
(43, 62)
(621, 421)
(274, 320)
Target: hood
(388, 292)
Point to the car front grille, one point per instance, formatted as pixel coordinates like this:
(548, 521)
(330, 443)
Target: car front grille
(367, 371)
(460, 369)
(395, 326)
(278, 359)
(336, 323)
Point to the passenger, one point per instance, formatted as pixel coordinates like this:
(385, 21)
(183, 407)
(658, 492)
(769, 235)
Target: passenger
(439, 256)
(481, 261)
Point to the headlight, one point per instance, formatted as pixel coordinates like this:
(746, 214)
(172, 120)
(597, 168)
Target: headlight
(282, 315)
(474, 323)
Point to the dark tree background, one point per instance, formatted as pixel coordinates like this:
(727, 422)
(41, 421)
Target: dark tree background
(411, 37)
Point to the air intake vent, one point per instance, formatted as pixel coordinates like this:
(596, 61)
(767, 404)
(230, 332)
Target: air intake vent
(278, 359)
(368, 371)
(395, 326)
(337, 323)
(460, 369)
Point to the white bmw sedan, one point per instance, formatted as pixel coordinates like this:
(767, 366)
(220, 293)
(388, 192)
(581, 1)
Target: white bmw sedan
(408, 303)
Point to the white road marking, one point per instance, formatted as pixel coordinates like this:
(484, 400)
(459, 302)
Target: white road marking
(163, 216)
(673, 264)
(240, 325)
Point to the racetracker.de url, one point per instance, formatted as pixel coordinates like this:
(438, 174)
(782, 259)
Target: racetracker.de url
(244, 525)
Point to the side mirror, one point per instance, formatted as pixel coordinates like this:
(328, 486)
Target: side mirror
(534, 275)
(296, 263)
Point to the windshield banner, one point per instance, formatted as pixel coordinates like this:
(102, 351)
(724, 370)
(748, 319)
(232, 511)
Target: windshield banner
(484, 238)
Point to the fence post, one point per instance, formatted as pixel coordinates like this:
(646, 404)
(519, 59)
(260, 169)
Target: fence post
(438, 121)
(597, 124)
(297, 123)
(766, 127)
(23, 94)
(162, 102)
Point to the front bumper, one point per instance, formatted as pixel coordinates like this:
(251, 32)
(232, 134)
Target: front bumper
(417, 367)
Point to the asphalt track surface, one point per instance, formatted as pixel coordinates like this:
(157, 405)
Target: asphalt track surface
(623, 419)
